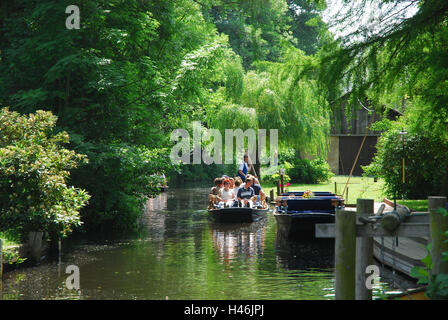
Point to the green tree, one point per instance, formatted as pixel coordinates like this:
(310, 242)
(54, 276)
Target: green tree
(133, 71)
(34, 170)
(306, 25)
(256, 28)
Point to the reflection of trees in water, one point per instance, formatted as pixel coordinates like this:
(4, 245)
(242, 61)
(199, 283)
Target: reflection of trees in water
(155, 221)
(153, 218)
(158, 203)
(238, 240)
(304, 254)
(174, 215)
(188, 198)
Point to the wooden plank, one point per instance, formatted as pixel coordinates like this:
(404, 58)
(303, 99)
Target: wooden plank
(406, 255)
(406, 247)
(327, 230)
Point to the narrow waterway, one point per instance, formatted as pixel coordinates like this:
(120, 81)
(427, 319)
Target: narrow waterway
(183, 255)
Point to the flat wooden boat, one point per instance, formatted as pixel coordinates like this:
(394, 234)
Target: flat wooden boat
(297, 216)
(301, 225)
(237, 214)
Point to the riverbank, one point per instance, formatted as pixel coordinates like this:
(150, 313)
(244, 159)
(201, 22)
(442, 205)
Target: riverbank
(11, 250)
(183, 255)
(18, 255)
(358, 187)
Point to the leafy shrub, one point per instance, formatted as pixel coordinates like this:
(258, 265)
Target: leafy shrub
(309, 171)
(437, 288)
(299, 170)
(273, 178)
(425, 156)
(120, 177)
(203, 172)
(34, 168)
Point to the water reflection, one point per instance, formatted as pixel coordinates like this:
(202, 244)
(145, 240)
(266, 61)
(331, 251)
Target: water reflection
(238, 240)
(183, 255)
(304, 254)
(153, 219)
(158, 203)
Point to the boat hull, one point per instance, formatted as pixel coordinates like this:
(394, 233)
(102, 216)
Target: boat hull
(236, 215)
(301, 225)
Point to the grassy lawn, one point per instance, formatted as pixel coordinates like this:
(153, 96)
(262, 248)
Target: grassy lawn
(6, 242)
(415, 205)
(358, 187)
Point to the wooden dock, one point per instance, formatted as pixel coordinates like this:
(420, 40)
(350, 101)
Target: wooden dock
(355, 233)
(402, 257)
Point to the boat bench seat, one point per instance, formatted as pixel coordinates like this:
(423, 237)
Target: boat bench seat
(316, 193)
(317, 204)
(311, 211)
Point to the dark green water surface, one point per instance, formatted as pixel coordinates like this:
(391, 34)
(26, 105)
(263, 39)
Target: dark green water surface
(183, 255)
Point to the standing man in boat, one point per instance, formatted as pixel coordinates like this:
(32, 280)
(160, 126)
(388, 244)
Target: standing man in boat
(243, 168)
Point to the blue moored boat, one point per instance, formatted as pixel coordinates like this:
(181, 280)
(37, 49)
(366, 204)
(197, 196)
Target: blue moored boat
(297, 216)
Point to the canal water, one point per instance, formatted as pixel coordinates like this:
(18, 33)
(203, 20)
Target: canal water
(181, 254)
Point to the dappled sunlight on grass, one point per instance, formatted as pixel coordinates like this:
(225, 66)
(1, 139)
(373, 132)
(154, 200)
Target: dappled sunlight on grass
(358, 187)
(415, 205)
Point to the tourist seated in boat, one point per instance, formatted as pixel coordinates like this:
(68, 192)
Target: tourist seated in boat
(258, 190)
(218, 185)
(226, 197)
(232, 183)
(256, 186)
(238, 183)
(246, 194)
(214, 191)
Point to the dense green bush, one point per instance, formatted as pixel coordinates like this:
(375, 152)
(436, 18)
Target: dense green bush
(426, 157)
(299, 170)
(202, 173)
(120, 177)
(34, 195)
(309, 171)
(273, 178)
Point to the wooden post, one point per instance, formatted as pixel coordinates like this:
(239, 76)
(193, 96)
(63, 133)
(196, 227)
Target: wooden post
(59, 250)
(335, 187)
(278, 187)
(364, 252)
(271, 195)
(1, 264)
(439, 224)
(345, 255)
(283, 187)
